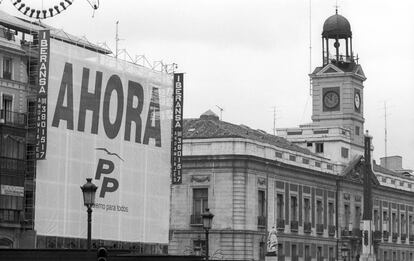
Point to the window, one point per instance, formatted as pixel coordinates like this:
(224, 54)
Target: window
(307, 253)
(309, 144)
(278, 154)
(294, 251)
(394, 222)
(319, 147)
(7, 68)
(317, 164)
(261, 203)
(331, 214)
(306, 206)
(12, 147)
(292, 157)
(344, 153)
(279, 208)
(347, 212)
(7, 108)
(357, 218)
(403, 224)
(319, 254)
(376, 220)
(319, 211)
(410, 225)
(262, 251)
(305, 161)
(200, 203)
(357, 130)
(331, 253)
(385, 220)
(293, 208)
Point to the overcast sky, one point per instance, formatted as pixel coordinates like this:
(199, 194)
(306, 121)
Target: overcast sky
(250, 56)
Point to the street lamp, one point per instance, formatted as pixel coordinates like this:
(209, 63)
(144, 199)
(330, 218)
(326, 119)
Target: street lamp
(89, 190)
(207, 217)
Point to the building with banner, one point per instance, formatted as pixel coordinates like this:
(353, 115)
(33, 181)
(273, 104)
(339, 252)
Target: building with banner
(70, 111)
(316, 184)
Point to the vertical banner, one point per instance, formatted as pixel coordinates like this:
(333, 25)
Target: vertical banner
(367, 215)
(41, 109)
(177, 129)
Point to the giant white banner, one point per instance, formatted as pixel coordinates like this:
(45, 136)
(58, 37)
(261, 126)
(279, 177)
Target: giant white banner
(109, 120)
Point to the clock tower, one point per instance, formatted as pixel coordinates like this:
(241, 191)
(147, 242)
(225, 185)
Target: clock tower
(337, 85)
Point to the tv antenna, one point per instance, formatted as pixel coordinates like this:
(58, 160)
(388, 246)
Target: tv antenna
(385, 132)
(221, 112)
(117, 39)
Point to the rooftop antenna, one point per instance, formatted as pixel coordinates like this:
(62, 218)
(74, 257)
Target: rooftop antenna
(385, 132)
(221, 112)
(310, 49)
(274, 120)
(117, 39)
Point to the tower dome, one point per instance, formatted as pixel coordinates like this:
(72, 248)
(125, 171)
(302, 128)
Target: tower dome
(336, 26)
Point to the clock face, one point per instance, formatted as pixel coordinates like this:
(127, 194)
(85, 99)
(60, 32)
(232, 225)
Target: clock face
(331, 99)
(357, 101)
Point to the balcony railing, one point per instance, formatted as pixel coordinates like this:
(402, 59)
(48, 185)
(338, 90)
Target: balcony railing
(385, 235)
(377, 236)
(307, 227)
(280, 225)
(13, 118)
(12, 164)
(294, 225)
(261, 221)
(331, 230)
(196, 220)
(394, 237)
(319, 229)
(345, 232)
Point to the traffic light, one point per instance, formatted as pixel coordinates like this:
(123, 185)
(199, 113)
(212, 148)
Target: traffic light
(102, 254)
(366, 237)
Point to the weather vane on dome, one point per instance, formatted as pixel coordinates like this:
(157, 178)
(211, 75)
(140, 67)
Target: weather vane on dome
(336, 7)
(39, 10)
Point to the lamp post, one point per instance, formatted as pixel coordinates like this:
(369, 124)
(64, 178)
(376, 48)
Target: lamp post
(207, 217)
(89, 190)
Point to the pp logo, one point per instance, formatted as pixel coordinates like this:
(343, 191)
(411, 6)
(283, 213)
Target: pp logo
(106, 167)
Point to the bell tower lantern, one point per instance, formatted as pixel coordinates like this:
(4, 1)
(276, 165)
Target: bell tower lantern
(337, 33)
(337, 85)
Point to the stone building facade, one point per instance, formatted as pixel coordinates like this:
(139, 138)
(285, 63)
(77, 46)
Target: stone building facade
(308, 182)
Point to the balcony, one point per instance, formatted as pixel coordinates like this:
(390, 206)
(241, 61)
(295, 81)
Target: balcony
(280, 225)
(411, 239)
(403, 238)
(377, 236)
(13, 118)
(385, 235)
(345, 232)
(307, 227)
(196, 220)
(319, 229)
(331, 230)
(18, 165)
(294, 225)
(11, 216)
(261, 221)
(394, 237)
(295, 258)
